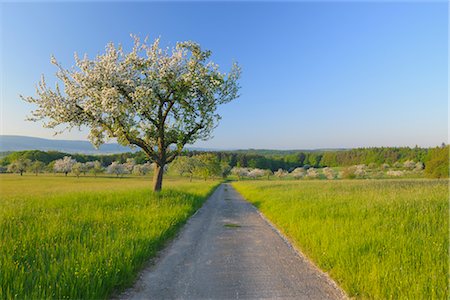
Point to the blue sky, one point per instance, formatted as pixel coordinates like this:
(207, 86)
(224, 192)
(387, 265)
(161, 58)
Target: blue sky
(315, 74)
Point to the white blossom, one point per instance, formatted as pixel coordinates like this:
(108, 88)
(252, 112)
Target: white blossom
(142, 169)
(312, 173)
(281, 173)
(152, 98)
(19, 166)
(240, 172)
(64, 165)
(256, 173)
(360, 170)
(116, 168)
(394, 173)
(329, 173)
(298, 173)
(419, 166)
(409, 164)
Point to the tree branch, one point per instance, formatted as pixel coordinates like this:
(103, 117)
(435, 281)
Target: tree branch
(145, 113)
(137, 141)
(185, 139)
(134, 141)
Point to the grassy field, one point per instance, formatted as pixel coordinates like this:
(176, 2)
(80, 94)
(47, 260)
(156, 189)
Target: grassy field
(381, 239)
(85, 237)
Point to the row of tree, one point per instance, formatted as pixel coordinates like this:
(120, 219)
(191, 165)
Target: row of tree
(204, 166)
(209, 164)
(68, 165)
(289, 160)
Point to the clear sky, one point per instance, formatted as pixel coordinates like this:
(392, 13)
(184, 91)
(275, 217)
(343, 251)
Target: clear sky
(315, 74)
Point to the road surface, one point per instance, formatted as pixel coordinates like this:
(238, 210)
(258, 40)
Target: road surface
(228, 251)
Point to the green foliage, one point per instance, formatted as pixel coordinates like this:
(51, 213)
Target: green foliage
(57, 242)
(33, 155)
(37, 167)
(291, 159)
(185, 165)
(209, 166)
(437, 165)
(266, 159)
(50, 156)
(384, 239)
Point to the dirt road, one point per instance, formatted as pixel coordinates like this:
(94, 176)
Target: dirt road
(228, 251)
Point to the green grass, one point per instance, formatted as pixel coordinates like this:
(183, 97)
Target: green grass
(85, 237)
(232, 225)
(382, 239)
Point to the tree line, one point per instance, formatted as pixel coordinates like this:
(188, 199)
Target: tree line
(219, 163)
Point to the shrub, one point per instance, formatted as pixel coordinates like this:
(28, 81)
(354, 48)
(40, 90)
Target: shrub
(437, 165)
(348, 173)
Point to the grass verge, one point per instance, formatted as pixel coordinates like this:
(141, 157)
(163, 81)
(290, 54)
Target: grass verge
(383, 239)
(71, 244)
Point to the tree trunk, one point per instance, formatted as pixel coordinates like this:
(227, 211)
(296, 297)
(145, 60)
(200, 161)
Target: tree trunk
(158, 178)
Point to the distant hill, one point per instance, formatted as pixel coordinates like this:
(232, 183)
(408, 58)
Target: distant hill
(18, 143)
(11, 143)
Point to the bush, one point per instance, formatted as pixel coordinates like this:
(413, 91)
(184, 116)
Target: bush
(348, 173)
(437, 165)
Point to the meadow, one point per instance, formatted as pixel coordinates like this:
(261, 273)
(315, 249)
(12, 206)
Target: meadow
(378, 239)
(66, 237)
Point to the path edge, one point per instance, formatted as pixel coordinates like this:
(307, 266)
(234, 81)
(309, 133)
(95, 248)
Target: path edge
(153, 261)
(297, 251)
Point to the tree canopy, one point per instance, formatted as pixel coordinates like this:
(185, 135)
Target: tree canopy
(156, 99)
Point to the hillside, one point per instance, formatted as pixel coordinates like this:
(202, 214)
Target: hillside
(20, 143)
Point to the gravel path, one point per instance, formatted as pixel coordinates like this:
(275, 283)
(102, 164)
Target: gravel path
(228, 251)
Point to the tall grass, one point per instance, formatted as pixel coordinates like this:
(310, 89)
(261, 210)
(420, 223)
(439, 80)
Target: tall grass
(72, 244)
(386, 239)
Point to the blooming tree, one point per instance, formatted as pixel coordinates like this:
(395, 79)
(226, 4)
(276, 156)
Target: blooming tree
(329, 173)
(409, 164)
(137, 170)
(37, 167)
(312, 173)
(281, 173)
(395, 173)
(158, 100)
(116, 168)
(142, 169)
(64, 165)
(240, 172)
(360, 170)
(268, 173)
(208, 166)
(419, 166)
(19, 166)
(129, 165)
(256, 173)
(95, 167)
(298, 173)
(78, 168)
(185, 165)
